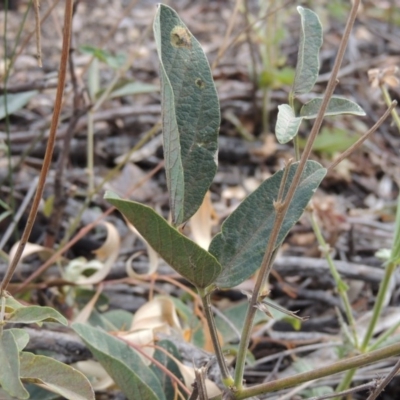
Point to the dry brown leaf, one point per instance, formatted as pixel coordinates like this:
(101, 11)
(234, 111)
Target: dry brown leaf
(107, 254)
(189, 377)
(86, 311)
(30, 249)
(202, 222)
(151, 253)
(99, 378)
(156, 314)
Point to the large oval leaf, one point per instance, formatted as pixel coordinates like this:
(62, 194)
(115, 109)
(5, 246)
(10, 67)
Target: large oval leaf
(56, 377)
(186, 257)
(287, 124)
(337, 105)
(122, 363)
(10, 366)
(191, 114)
(307, 67)
(32, 314)
(241, 244)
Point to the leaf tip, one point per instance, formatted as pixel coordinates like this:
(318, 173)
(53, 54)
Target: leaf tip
(110, 195)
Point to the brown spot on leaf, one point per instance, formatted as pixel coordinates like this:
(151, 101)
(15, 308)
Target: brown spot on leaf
(180, 37)
(200, 83)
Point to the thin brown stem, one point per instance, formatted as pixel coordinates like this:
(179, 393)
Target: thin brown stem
(225, 374)
(266, 264)
(385, 382)
(50, 146)
(36, 7)
(28, 38)
(363, 138)
(250, 26)
(224, 45)
(353, 390)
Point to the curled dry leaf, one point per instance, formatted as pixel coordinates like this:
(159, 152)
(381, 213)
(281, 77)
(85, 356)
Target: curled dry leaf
(151, 253)
(85, 313)
(202, 222)
(99, 378)
(31, 249)
(378, 76)
(189, 376)
(107, 254)
(156, 316)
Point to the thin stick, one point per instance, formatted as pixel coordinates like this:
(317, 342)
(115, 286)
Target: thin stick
(50, 146)
(36, 7)
(156, 363)
(18, 215)
(363, 138)
(224, 45)
(385, 382)
(28, 38)
(225, 374)
(356, 389)
(248, 27)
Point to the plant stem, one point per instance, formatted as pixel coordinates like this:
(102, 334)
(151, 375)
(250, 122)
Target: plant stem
(389, 270)
(339, 366)
(385, 382)
(340, 284)
(265, 268)
(346, 382)
(226, 376)
(266, 263)
(384, 336)
(296, 142)
(363, 138)
(388, 101)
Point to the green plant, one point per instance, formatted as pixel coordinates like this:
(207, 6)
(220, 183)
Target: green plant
(251, 235)
(249, 239)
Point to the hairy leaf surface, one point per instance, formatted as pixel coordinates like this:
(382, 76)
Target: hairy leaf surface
(307, 67)
(241, 244)
(337, 105)
(191, 114)
(122, 363)
(185, 256)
